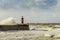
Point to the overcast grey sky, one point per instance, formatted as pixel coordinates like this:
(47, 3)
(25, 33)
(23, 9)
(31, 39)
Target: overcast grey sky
(33, 10)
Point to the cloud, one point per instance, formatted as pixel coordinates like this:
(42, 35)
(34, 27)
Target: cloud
(42, 4)
(32, 10)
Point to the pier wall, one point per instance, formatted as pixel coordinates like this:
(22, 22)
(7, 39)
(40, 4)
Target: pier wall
(14, 27)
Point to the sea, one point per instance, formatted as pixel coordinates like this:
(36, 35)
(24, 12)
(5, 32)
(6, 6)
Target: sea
(52, 34)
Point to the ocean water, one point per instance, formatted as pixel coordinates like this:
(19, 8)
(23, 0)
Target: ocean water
(30, 35)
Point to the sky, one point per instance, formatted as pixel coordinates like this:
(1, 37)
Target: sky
(34, 11)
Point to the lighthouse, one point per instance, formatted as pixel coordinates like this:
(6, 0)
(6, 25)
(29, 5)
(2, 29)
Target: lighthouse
(22, 20)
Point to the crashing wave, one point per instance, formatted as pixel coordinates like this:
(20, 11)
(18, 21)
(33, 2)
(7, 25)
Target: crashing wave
(8, 21)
